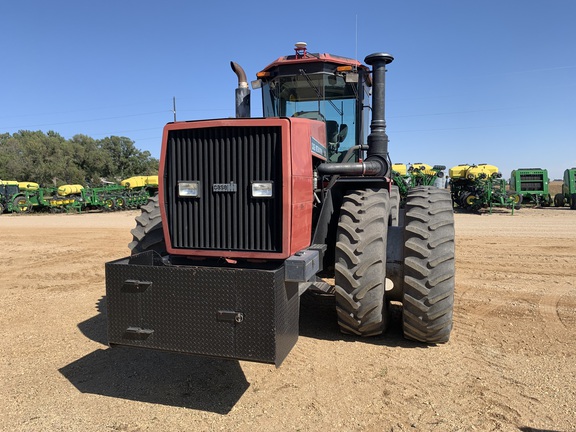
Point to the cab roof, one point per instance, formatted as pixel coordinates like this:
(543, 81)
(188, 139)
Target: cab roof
(308, 58)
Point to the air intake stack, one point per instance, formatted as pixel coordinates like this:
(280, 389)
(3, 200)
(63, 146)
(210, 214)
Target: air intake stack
(378, 140)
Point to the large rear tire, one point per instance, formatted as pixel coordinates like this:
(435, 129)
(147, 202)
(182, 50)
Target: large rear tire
(573, 201)
(360, 267)
(429, 265)
(148, 234)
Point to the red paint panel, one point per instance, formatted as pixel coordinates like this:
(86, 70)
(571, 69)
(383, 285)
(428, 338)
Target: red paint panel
(297, 182)
(303, 130)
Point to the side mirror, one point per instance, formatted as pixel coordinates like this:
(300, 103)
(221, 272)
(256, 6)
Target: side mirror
(343, 132)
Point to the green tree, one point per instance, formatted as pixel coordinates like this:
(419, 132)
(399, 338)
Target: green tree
(89, 157)
(43, 158)
(8, 152)
(126, 159)
(51, 160)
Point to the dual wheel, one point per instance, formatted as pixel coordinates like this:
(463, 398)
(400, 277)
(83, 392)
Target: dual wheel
(114, 203)
(428, 263)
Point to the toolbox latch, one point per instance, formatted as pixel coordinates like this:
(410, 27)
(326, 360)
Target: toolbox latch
(135, 286)
(230, 316)
(137, 333)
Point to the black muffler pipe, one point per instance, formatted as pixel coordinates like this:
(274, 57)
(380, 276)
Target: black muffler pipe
(367, 168)
(378, 140)
(377, 161)
(242, 92)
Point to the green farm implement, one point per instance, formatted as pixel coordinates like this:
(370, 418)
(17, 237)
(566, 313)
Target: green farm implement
(24, 197)
(474, 187)
(416, 174)
(532, 184)
(568, 195)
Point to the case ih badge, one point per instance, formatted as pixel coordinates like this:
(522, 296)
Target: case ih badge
(225, 187)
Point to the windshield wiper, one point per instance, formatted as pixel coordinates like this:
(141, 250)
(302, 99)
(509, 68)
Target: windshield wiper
(320, 97)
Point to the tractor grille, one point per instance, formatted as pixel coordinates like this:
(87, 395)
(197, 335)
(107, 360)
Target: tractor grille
(225, 216)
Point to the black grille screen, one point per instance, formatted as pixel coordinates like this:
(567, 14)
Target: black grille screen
(227, 219)
(532, 182)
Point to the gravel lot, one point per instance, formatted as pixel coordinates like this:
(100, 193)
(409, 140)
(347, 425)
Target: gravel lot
(510, 364)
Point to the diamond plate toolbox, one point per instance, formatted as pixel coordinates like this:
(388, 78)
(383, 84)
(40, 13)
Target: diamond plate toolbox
(235, 313)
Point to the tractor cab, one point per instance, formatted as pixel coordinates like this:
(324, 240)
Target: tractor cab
(8, 188)
(322, 87)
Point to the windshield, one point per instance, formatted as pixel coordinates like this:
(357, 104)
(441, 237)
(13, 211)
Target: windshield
(8, 190)
(319, 96)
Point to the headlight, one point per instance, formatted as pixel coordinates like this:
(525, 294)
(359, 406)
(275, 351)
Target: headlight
(262, 189)
(189, 189)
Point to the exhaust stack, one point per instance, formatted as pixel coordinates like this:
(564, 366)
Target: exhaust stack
(242, 92)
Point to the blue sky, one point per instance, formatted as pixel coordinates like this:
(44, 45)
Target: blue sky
(491, 81)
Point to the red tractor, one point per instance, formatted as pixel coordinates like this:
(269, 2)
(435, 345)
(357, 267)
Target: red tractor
(253, 212)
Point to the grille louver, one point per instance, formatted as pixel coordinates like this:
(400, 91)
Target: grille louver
(224, 220)
(532, 182)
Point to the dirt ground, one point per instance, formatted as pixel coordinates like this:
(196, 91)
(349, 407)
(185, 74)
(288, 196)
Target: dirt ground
(510, 364)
